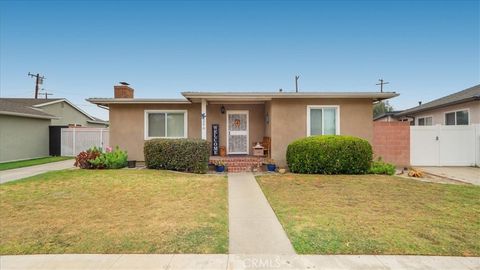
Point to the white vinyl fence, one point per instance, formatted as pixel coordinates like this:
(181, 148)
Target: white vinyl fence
(76, 140)
(445, 145)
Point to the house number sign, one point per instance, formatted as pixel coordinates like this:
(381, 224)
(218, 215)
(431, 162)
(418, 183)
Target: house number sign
(215, 139)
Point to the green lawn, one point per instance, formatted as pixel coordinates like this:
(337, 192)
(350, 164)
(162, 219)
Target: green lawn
(30, 162)
(373, 214)
(114, 211)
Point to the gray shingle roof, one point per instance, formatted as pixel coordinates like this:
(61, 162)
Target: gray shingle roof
(392, 113)
(31, 101)
(472, 93)
(22, 107)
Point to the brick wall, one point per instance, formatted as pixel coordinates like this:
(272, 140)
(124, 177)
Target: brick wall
(391, 141)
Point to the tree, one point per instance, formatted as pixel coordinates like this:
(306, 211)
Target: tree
(381, 108)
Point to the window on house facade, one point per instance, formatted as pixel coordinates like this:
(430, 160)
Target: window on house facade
(165, 124)
(457, 118)
(323, 120)
(425, 121)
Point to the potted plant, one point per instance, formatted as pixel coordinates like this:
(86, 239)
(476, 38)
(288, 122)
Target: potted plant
(219, 165)
(270, 165)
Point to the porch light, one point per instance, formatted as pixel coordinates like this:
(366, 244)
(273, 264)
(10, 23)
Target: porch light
(222, 109)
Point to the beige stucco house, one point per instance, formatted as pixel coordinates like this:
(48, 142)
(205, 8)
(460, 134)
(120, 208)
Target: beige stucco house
(243, 118)
(25, 125)
(460, 108)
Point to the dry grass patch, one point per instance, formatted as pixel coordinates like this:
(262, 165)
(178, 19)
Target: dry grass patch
(114, 211)
(373, 214)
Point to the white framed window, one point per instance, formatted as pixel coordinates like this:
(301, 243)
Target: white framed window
(166, 124)
(425, 121)
(457, 118)
(323, 120)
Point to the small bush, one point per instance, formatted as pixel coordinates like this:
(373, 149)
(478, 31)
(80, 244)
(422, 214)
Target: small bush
(111, 159)
(95, 158)
(329, 154)
(188, 155)
(84, 158)
(380, 167)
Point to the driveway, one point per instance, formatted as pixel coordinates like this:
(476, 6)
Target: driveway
(464, 174)
(15, 174)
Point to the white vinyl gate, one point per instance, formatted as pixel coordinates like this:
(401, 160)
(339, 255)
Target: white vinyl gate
(76, 140)
(445, 145)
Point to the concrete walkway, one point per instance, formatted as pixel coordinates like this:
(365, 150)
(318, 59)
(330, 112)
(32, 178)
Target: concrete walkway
(253, 226)
(15, 174)
(231, 262)
(463, 174)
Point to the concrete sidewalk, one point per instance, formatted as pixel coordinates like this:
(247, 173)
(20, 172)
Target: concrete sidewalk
(253, 226)
(15, 174)
(233, 261)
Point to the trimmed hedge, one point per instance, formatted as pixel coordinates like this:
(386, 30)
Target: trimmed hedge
(187, 155)
(329, 154)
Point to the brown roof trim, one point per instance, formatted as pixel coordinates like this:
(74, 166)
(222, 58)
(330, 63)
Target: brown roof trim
(108, 101)
(195, 96)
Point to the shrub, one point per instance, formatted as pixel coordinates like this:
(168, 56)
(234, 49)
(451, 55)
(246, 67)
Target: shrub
(115, 159)
(188, 155)
(329, 154)
(84, 158)
(380, 167)
(95, 158)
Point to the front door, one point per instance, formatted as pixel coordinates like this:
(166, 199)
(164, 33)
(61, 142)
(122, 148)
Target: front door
(237, 132)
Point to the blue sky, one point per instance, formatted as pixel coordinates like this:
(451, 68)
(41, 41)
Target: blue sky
(425, 49)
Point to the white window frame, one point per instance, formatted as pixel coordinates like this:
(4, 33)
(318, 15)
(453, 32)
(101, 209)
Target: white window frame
(185, 123)
(455, 111)
(423, 116)
(337, 127)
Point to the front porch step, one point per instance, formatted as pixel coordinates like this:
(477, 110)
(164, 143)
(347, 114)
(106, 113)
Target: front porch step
(239, 169)
(240, 164)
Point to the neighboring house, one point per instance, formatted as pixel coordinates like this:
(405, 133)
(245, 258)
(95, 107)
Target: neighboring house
(243, 118)
(387, 117)
(25, 125)
(461, 108)
(66, 112)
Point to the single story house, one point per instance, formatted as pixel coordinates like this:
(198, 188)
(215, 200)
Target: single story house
(460, 108)
(387, 117)
(242, 118)
(26, 125)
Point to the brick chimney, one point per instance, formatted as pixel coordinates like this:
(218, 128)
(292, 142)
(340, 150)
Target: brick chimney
(123, 91)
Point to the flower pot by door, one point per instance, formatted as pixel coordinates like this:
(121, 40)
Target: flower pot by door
(271, 167)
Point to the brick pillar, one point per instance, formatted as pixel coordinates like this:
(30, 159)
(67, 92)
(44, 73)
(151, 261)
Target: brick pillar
(391, 142)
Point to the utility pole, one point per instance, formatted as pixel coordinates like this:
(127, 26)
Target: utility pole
(381, 83)
(46, 93)
(296, 83)
(38, 80)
